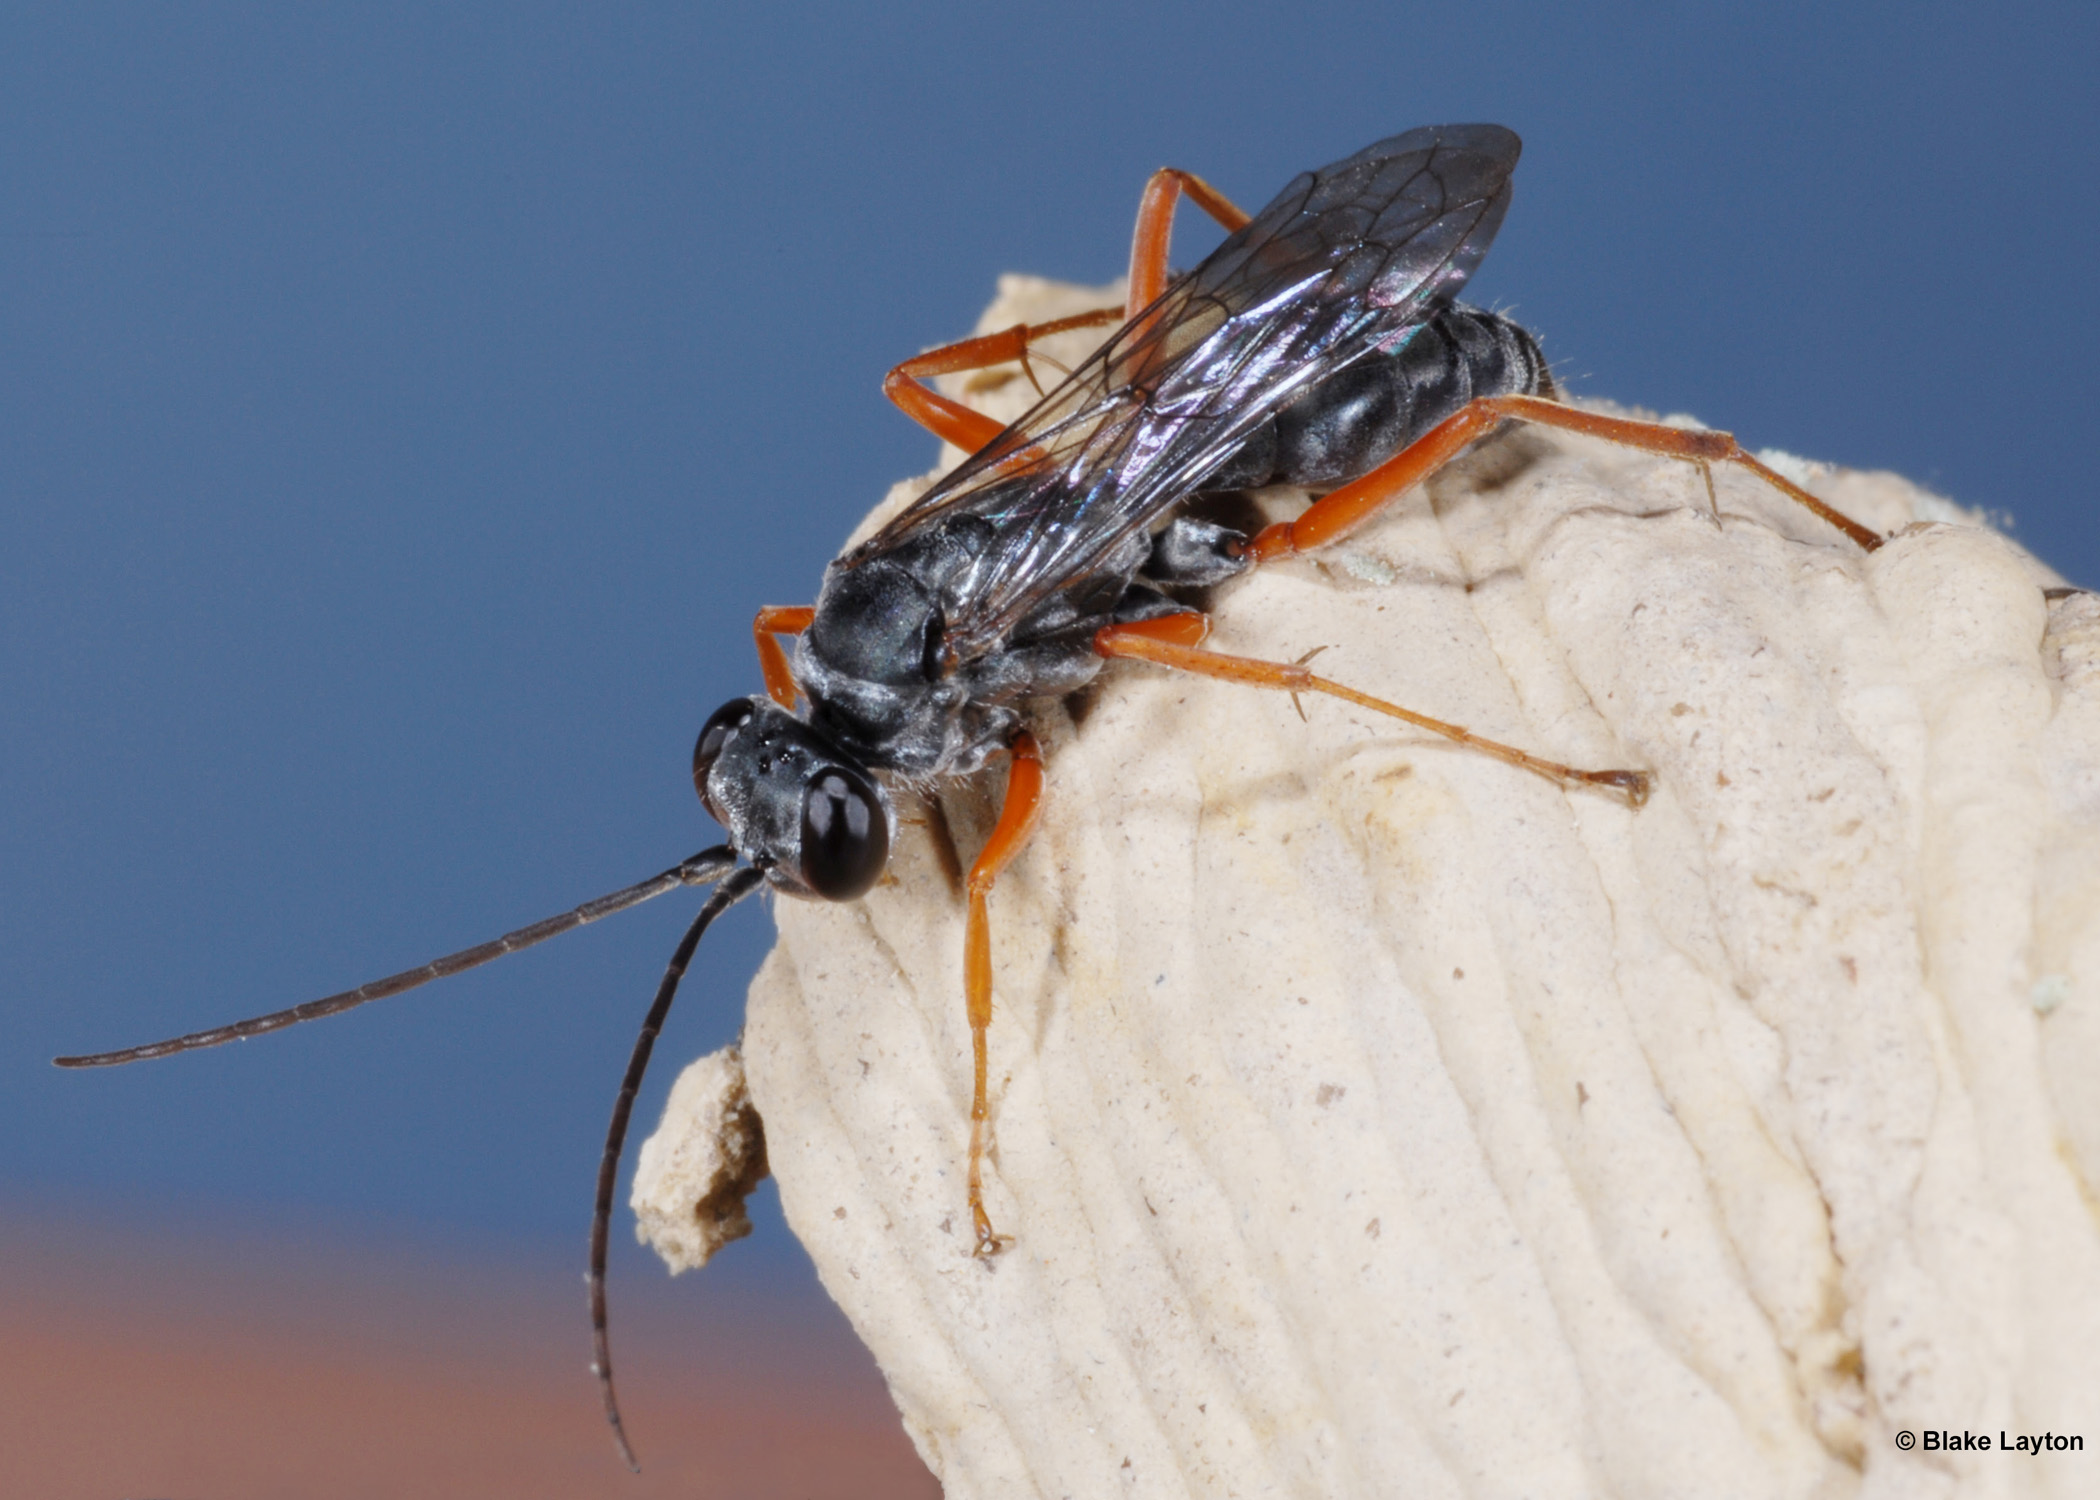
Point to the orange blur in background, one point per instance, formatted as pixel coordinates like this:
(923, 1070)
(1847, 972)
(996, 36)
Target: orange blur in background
(225, 1366)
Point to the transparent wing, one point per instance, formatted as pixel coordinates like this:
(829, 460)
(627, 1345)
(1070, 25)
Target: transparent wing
(1347, 260)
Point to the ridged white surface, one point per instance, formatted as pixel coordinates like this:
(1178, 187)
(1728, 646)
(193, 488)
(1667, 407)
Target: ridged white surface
(1374, 1119)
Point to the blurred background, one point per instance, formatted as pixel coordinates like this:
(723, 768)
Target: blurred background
(402, 411)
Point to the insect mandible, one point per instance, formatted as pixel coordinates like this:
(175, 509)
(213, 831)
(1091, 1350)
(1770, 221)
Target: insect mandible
(1320, 345)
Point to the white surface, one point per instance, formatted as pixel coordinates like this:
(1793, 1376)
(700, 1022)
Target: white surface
(692, 1176)
(1374, 1119)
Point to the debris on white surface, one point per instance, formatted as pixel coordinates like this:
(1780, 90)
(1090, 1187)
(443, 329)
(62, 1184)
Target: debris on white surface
(1374, 1119)
(707, 1156)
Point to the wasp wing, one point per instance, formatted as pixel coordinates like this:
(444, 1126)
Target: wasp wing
(1347, 260)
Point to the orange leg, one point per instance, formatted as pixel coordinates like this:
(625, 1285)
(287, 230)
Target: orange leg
(778, 620)
(1335, 515)
(1172, 642)
(951, 421)
(1155, 228)
(1024, 798)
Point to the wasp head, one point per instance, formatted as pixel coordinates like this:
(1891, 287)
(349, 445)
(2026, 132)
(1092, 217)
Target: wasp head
(793, 802)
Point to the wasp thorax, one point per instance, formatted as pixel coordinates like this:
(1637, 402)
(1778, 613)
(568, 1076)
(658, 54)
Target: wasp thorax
(792, 801)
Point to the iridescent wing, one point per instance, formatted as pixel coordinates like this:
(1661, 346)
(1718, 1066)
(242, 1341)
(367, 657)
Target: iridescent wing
(1347, 260)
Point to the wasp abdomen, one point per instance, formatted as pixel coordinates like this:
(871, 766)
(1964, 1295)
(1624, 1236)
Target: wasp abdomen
(1361, 416)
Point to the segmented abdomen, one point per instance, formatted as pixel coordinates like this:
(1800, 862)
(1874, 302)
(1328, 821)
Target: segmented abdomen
(1359, 418)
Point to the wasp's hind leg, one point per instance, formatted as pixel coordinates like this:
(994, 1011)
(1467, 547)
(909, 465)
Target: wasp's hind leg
(1175, 641)
(950, 420)
(1335, 515)
(1155, 229)
(1024, 799)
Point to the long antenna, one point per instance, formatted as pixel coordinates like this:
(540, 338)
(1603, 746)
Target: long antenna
(703, 868)
(732, 890)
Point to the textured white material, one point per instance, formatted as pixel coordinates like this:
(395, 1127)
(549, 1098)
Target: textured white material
(1374, 1119)
(692, 1176)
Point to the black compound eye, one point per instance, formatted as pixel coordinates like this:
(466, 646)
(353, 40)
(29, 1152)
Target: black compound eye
(724, 722)
(845, 837)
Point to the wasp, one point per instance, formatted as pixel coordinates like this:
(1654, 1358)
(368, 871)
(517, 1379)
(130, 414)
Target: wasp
(1321, 345)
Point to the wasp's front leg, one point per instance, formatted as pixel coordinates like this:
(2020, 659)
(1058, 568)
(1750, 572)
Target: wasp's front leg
(1024, 798)
(778, 620)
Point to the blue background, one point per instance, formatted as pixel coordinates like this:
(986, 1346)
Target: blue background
(402, 413)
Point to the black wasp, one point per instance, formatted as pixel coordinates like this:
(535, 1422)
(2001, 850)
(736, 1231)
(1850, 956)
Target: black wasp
(1321, 345)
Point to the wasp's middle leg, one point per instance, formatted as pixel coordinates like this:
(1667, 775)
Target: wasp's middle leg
(950, 420)
(1175, 641)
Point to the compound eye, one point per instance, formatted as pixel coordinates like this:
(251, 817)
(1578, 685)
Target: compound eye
(724, 722)
(845, 837)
